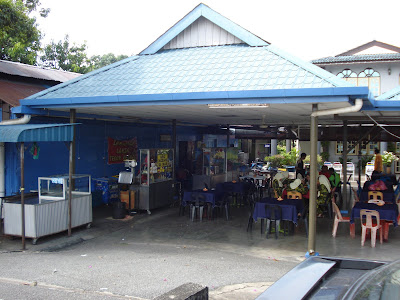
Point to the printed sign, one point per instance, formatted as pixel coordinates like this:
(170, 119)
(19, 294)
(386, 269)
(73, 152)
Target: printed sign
(118, 150)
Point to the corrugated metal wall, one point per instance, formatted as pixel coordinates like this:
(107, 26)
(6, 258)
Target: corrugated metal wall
(202, 33)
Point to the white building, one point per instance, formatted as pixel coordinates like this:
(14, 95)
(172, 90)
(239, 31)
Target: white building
(376, 65)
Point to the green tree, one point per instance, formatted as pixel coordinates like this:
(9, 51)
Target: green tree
(19, 35)
(67, 57)
(98, 61)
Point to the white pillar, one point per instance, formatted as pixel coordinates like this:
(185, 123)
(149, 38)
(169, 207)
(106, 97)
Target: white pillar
(288, 145)
(274, 147)
(383, 147)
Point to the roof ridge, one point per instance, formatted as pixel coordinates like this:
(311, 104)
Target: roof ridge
(309, 67)
(370, 45)
(205, 11)
(83, 77)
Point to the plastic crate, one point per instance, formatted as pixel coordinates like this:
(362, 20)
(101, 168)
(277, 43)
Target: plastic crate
(109, 188)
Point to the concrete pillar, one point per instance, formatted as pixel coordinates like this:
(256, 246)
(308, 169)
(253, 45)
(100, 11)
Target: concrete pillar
(252, 155)
(312, 228)
(288, 145)
(319, 147)
(383, 147)
(274, 147)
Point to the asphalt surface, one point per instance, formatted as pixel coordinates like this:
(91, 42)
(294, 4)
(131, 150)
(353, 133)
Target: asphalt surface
(141, 258)
(144, 256)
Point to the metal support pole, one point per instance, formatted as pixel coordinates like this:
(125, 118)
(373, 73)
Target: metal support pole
(70, 190)
(344, 166)
(174, 146)
(72, 120)
(313, 183)
(226, 152)
(22, 189)
(253, 151)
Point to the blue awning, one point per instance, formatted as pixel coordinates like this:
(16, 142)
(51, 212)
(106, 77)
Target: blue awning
(37, 133)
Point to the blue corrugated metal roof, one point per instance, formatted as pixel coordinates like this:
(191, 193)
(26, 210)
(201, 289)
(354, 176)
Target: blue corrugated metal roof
(393, 94)
(36, 133)
(193, 70)
(357, 58)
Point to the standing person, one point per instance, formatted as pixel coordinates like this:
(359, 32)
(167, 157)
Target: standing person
(378, 166)
(300, 166)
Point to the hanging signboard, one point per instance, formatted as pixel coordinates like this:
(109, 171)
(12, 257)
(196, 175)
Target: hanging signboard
(118, 150)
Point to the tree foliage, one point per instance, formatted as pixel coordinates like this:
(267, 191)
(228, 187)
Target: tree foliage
(73, 58)
(19, 35)
(98, 61)
(67, 57)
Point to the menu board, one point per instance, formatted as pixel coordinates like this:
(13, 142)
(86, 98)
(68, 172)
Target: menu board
(163, 162)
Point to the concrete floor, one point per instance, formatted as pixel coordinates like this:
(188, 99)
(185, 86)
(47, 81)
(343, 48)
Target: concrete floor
(245, 263)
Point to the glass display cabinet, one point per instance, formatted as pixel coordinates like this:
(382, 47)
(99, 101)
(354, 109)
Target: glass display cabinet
(155, 178)
(47, 212)
(155, 165)
(218, 164)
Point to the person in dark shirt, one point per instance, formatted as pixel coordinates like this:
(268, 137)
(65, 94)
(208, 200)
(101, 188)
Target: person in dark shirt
(300, 166)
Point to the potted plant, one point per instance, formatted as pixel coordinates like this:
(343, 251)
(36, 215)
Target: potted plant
(387, 159)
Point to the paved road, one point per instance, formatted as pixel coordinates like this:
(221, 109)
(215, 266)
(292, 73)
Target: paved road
(140, 260)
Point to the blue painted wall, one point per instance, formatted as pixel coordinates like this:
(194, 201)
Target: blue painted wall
(91, 150)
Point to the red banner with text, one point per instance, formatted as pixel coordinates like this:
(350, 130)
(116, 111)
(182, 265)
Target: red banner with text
(118, 150)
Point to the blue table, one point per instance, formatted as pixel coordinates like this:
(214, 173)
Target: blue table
(387, 212)
(235, 187)
(290, 208)
(211, 196)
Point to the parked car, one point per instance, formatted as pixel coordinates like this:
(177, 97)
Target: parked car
(338, 278)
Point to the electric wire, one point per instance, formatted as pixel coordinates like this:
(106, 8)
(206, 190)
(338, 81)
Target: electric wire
(392, 134)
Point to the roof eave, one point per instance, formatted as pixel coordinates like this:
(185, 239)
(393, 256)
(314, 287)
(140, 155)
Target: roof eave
(305, 95)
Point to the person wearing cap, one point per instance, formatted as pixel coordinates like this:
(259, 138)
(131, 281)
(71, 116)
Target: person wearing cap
(298, 186)
(279, 182)
(324, 189)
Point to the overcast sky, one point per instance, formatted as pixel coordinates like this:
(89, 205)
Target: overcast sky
(308, 29)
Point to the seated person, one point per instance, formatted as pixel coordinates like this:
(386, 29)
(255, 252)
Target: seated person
(298, 186)
(375, 175)
(324, 189)
(325, 171)
(334, 178)
(278, 183)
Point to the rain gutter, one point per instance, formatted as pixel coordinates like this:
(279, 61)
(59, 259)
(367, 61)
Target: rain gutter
(313, 167)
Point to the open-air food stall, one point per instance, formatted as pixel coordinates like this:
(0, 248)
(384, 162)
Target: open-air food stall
(47, 213)
(15, 132)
